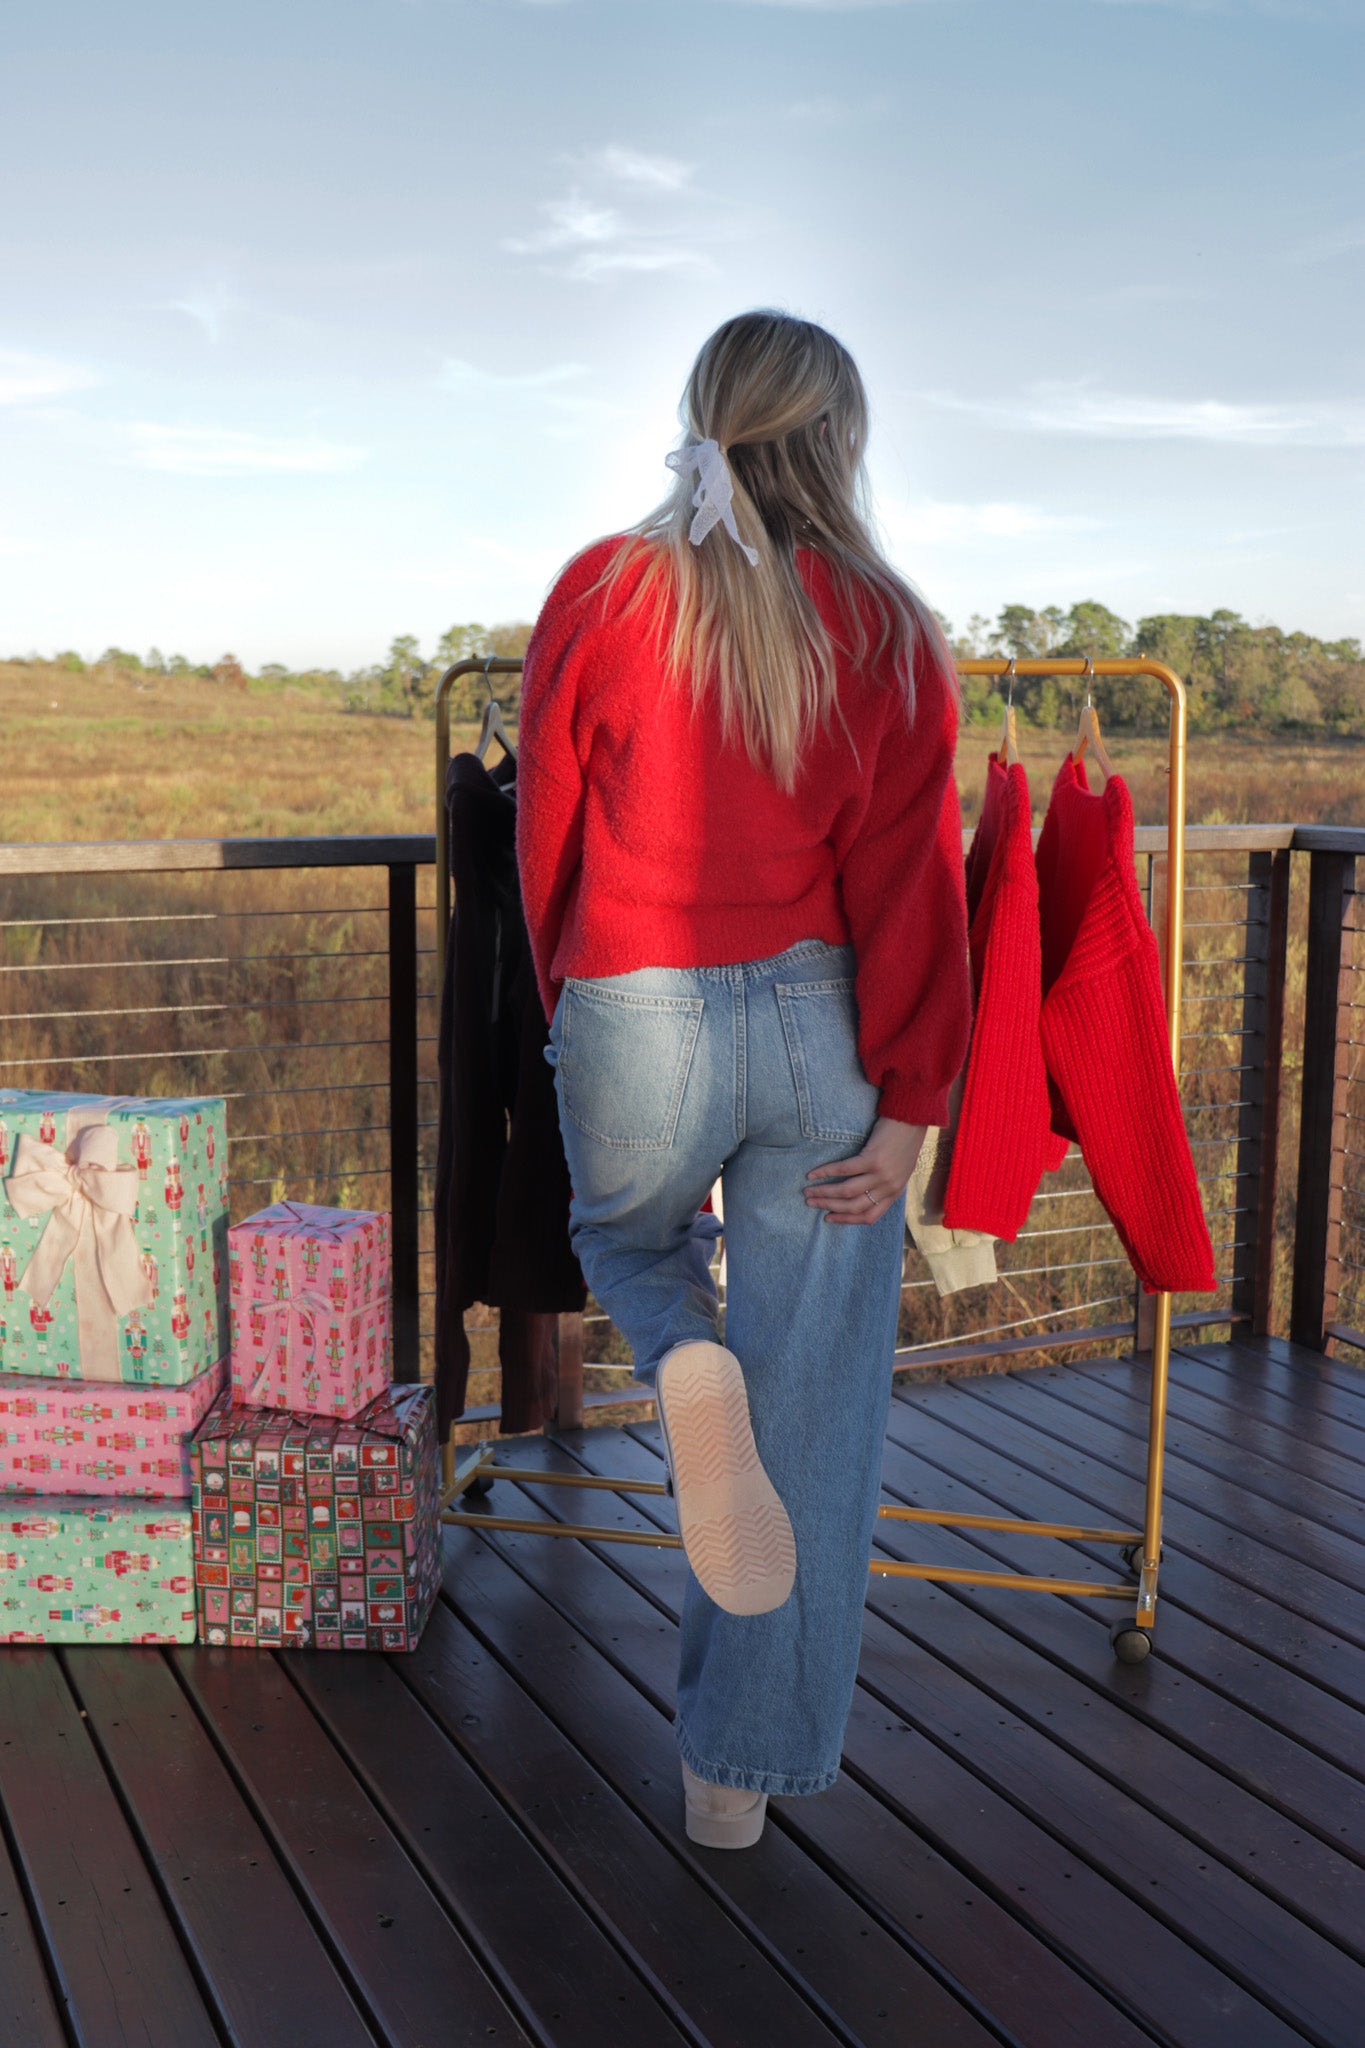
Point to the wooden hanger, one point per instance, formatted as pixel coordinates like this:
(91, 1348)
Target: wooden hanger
(1088, 733)
(493, 727)
(1008, 748)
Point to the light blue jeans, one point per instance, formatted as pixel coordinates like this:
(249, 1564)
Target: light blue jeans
(668, 1078)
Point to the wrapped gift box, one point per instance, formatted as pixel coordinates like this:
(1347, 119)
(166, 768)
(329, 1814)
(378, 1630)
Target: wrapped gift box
(84, 1571)
(310, 1532)
(113, 1236)
(310, 1293)
(93, 1437)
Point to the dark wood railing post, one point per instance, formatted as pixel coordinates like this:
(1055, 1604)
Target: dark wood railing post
(1266, 934)
(403, 1173)
(1322, 1133)
(569, 1359)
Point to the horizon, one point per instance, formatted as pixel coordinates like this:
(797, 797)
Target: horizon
(296, 358)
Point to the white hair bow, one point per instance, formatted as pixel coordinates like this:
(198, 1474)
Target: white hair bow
(714, 494)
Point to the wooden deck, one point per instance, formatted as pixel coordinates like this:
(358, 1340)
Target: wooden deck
(483, 1842)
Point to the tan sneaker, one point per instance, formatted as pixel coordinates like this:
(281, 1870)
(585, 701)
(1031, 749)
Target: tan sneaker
(734, 1529)
(721, 1816)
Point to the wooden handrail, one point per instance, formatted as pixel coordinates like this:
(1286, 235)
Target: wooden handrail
(196, 856)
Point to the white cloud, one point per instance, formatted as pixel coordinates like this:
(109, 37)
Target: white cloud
(596, 241)
(226, 451)
(944, 522)
(1080, 409)
(206, 306)
(635, 167)
(664, 256)
(458, 375)
(28, 379)
(573, 222)
(1331, 242)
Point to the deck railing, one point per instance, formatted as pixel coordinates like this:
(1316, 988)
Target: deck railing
(296, 977)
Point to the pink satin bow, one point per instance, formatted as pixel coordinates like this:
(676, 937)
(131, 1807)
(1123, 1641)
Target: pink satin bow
(91, 1199)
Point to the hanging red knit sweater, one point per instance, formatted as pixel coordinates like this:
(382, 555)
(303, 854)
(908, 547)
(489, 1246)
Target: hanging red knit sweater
(1003, 1143)
(1104, 1038)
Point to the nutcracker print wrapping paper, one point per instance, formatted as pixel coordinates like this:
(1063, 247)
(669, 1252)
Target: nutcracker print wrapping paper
(310, 1300)
(85, 1571)
(113, 1236)
(313, 1533)
(93, 1437)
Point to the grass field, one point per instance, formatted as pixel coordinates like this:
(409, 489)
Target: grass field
(106, 755)
(270, 987)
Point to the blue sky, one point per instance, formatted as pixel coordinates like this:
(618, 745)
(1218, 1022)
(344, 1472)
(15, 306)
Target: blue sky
(320, 323)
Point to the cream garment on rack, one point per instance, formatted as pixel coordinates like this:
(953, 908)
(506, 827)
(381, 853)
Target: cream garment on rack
(955, 1258)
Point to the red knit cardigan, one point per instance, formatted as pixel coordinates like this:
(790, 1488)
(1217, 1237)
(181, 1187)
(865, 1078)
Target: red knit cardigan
(644, 840)
(1003, 1144)
(1104, 1036)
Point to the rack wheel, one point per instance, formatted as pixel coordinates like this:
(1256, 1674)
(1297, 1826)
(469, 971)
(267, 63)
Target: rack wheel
(479, 1485)
(1130, 1644)
(1131, 1554)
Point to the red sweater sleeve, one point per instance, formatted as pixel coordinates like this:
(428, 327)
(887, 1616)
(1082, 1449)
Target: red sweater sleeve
(550, 778)
(905, 898)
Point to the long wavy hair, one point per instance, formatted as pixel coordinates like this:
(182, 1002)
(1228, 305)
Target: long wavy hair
(785, 401)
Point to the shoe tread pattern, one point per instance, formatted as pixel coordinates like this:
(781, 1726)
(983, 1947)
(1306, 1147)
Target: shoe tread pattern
(735, 1531)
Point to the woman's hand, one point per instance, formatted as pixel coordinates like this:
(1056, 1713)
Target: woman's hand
(864, 1187)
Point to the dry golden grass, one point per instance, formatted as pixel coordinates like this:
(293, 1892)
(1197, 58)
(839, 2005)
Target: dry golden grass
(270, 986)
(108, 755)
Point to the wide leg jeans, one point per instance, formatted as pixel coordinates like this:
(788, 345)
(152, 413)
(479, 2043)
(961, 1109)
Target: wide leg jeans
(668, 1078)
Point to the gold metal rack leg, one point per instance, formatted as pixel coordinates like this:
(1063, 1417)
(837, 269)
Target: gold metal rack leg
(1156, 1456)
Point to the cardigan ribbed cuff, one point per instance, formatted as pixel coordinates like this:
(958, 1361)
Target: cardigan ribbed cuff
(910, 1102)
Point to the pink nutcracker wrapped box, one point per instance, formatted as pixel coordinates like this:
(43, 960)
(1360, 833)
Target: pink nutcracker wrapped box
(310, 1306)
(93, 1437)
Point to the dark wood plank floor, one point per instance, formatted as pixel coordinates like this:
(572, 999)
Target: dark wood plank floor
(483, 1842)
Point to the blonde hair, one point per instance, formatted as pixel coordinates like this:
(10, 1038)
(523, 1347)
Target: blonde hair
(786, 403)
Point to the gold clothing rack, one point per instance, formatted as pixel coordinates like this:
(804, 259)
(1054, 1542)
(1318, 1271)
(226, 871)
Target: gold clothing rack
(1141, 1548)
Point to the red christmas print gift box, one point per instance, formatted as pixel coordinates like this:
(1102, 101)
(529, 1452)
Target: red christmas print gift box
(311, 1533)
(309, 1292)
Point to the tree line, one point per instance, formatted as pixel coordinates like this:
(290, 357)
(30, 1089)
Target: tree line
(1256, 678)
(1240, 676)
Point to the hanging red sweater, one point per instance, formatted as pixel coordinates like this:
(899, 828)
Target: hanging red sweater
(642, 840)
(1104, 1037)
(1003, 1143)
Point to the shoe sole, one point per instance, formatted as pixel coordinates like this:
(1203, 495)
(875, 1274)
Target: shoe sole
(734, 1529)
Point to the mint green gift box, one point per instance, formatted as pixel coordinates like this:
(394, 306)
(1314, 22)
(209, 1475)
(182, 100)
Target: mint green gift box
(95, 1571)
(113, 1236)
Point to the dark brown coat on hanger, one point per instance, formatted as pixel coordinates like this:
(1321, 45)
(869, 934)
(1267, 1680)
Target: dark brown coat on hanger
(502, 1185)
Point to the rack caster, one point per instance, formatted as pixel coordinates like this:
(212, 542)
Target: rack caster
(1131, 1555)
(479, 1485)
(1130, 1644)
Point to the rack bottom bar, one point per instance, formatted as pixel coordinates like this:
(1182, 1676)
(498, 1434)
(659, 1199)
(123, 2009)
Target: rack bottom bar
(1008, 1523)
(952, 1574)
(489, 1469)
(529, 1528)
(1018, 1582)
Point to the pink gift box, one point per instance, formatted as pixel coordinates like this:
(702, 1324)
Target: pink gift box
(100, 1436)
(309, 1291)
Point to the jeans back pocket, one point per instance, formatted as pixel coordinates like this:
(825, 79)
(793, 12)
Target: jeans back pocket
(820, 1022)
(623, 1063)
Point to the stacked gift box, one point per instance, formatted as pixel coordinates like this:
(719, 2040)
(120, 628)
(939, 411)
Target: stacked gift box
(142, 1499)
(113, 1343)
(314, 1479)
